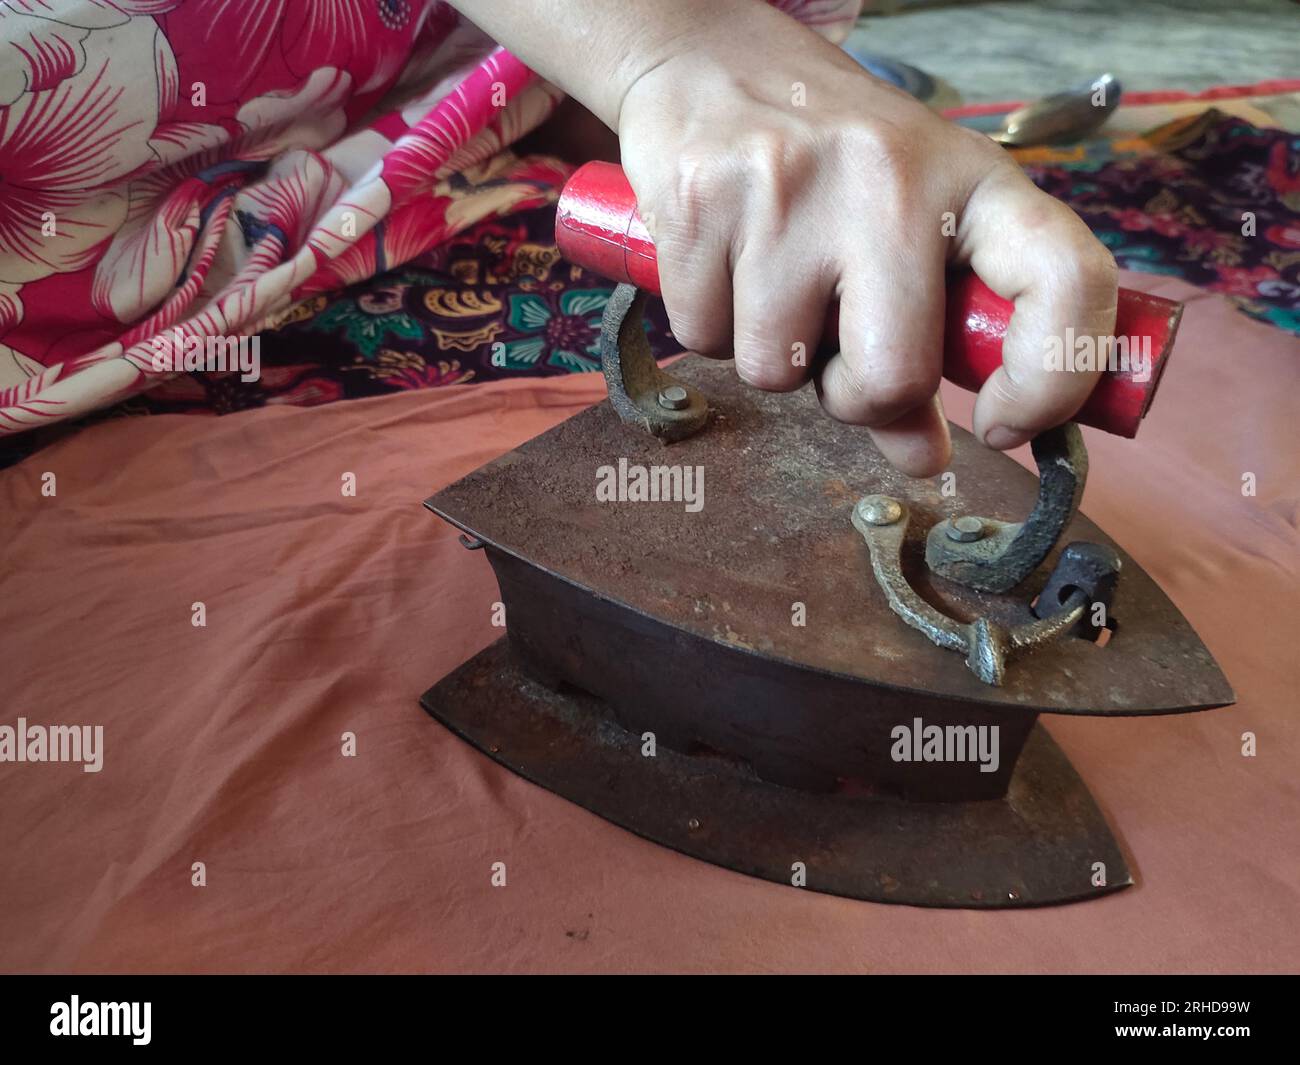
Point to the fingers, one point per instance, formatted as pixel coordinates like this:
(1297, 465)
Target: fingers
(887, 373)
(1038, 253)
(779, 317)
(917, 444)
(760, 290)
(694, 266)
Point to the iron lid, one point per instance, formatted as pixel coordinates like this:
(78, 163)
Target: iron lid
(780, 480)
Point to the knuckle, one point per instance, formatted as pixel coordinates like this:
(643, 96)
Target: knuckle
(764, 368)
(767, 149)
(777, 167)
(695, 334)
(1092, 271)
(1040, 213)
(979, 147)
(696, 326)
(696, 183)
(877, 400)
(887, 149)
(895, 396)
(697, 172)
(1004, 390)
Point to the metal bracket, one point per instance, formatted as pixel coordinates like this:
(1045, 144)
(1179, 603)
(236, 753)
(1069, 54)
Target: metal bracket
(882, 521)
(642, 393)
(994, 556)
(1085, 574)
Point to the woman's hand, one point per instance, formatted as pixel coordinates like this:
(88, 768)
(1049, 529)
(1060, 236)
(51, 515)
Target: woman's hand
(780, 177)
(776, 176)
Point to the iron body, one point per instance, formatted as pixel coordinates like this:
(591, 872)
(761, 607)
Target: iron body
(777, 739)
(1038, 845)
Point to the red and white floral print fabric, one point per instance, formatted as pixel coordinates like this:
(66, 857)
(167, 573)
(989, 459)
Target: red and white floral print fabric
(190, 168)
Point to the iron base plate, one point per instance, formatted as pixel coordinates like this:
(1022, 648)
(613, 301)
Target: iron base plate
(1040, 845)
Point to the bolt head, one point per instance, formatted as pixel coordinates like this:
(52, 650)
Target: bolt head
(965, 530)
(674, 397)
(879, 510)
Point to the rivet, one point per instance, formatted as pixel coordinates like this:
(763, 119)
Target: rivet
(965, 530)
(674, 397)
(879, 510)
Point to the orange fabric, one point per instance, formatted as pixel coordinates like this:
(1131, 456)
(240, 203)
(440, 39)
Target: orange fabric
(328, 614)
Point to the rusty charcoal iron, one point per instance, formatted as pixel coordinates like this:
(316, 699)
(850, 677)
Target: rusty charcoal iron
(655, 671)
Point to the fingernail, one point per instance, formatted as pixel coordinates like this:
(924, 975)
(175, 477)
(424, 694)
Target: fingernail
(1000, 438)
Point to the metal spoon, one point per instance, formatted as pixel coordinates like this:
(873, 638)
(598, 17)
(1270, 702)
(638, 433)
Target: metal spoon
(1061, 117)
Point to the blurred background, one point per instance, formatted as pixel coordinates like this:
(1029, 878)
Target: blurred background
(1018, 49)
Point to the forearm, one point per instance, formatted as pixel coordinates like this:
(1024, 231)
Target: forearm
(596, 49)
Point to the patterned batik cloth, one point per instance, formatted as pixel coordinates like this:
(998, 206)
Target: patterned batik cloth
(1210, 198)
(496, 301)
(177, 169)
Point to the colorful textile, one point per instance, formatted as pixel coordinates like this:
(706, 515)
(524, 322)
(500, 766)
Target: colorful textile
(1210, 198)
(279, 199)
(495, 302)
(176, 170)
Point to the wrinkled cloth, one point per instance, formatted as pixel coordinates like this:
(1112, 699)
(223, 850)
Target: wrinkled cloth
(1211, 199)
(496, 301)
(177, 169)
(329, 614)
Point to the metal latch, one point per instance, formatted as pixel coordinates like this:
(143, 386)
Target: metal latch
(989, 555)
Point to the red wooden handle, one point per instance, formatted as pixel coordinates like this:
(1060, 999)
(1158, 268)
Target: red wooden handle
(597, 226)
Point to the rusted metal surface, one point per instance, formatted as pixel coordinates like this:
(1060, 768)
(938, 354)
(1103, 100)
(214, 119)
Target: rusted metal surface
(883, 521)
(743, 628)
(774, 533)
(793, 726)
(644, 395)
(1039, 845)
(993, 555)
(1090, 569)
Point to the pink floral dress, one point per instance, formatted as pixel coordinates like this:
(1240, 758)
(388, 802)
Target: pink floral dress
(194, 168)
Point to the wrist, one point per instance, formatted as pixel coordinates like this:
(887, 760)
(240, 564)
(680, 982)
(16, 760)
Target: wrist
(596, 50)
